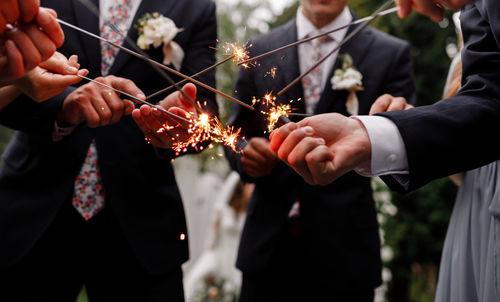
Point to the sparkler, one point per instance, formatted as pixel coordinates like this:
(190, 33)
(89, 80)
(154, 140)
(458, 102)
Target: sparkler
(204, 129)
(237, 53)
(162, 66)
(345, 40)
(369, 18)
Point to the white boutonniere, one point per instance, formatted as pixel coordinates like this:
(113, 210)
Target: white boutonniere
(350, 79)
(156, 29)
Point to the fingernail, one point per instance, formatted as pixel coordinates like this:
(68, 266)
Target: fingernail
(321, 141)
(72, 69)
(141, 96)
(308, 130)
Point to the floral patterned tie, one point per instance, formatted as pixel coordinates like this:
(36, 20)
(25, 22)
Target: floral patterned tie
(119, 14)
(312, 82)
(88, 196)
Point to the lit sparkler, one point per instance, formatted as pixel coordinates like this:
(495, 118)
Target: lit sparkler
(201, 130)
(369, 18)
(272, 110)
(236, 52)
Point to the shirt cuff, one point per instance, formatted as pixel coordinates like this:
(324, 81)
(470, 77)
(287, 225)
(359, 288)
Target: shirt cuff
(388, 148)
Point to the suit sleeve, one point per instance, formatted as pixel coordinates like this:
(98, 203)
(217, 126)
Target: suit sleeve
(459, 133)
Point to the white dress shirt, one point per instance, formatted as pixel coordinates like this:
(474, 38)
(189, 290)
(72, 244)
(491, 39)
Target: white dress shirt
(305, 27)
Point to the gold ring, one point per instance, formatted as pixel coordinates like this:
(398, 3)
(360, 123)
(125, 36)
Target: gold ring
(110, 93)
(102, 108)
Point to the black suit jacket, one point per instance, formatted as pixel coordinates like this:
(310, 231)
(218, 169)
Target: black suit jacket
(459, 133)
(38, 174)
(339, 223)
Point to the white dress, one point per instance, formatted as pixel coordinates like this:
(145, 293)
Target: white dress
(219, 258)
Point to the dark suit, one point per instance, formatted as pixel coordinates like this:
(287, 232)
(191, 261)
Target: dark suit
(143, 204)
(337, 252)
(459, 133)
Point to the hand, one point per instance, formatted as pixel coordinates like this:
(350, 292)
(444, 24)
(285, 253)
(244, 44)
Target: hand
(323, 147)
(434, 9)
(51, 78)
(257, 158)
(14, 10)
(24, 47)
(97, 105)
(387, 102)
(150, 120)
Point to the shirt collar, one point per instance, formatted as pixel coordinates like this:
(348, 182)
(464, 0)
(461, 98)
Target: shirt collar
(305, 27)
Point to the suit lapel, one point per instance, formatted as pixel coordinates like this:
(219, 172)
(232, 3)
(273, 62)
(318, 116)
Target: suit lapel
(87, 20)
(289, 68)
(164, 7)
(334, 100)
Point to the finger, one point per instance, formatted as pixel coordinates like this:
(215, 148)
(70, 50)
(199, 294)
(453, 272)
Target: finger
(50, 26)
(319, 163)
(73, 61)
(252, 155)
(127, 86)
(151, 122)
(103, 112)
(57, 81)
(3, 24)
(177, 112)
(91, 116)
(28, 9)
(31, 56)
(430, 9)
(292, 140)
(262, 146)
(15, 65)
(404, 8)
(397, 104)
(10, 11)
(408, 106)
(41, 41)
(279, 135)
(115, 105)
(381, 104)
(60, 65)
(297, 158)
(128, 107)
(177, 99)
(189, 95)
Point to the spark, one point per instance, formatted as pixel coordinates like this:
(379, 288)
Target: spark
(272, 110)
(272, 72)
(239, 53)
(203, 129)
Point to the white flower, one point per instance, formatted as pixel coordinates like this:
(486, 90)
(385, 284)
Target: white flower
(346, 80)
(156, 31)
(142, 43)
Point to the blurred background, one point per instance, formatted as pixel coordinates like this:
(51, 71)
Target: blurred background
(413, 226)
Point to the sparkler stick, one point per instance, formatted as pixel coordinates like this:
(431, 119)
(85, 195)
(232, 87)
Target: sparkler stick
(369, 18)
(346, 39)
(193, 76)
(142, 57)
(174, 116)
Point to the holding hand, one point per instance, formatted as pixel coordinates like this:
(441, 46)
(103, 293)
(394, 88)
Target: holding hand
(51, 77)
(434, 9)
(258, 159)
(150, 120)
(97, 105)
(323, 147)
(387, 102)
(25, 46)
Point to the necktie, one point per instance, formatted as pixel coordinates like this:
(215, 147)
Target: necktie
(88, 194)
(119, 15)
(312, 82)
